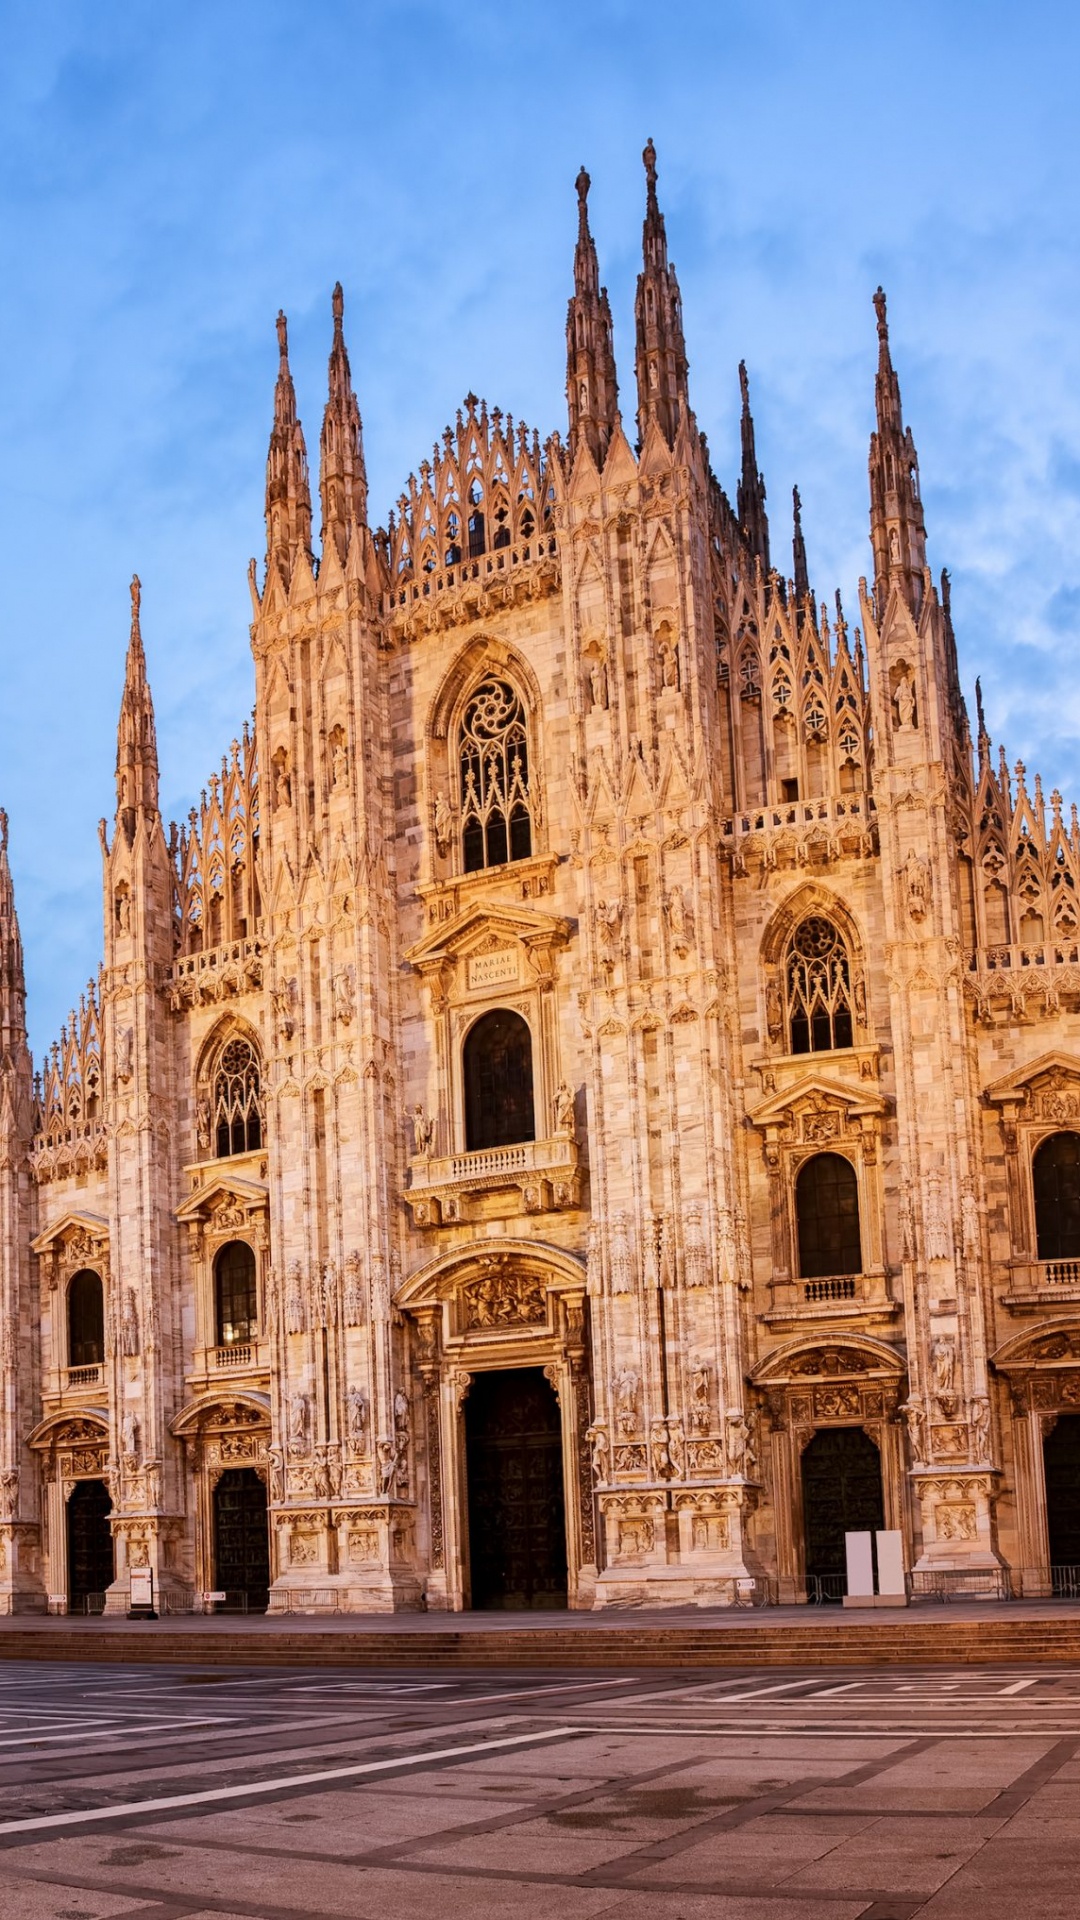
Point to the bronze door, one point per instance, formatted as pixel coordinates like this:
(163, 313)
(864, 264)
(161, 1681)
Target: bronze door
(242, 1537)
(517, 1521)
(1061, 1456)
(842, 1493)
(91, 1567)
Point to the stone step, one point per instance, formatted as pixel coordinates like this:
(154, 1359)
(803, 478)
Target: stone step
(932, 1642)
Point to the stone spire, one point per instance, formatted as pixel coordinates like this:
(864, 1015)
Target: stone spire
(592, 388)
(801, 573)
(342, 475)
(288, 495)
(12, 978)
(136, 739)
(663, 394)
(750, 498)
(897, 531)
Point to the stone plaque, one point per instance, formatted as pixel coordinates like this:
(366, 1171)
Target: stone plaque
(495, 969)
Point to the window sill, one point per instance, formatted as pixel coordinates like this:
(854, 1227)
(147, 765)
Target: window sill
(533, 1176)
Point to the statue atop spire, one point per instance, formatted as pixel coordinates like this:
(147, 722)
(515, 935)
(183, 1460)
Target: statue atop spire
(750, 497)
(663, 394)
(897, 531)
(592, 387)
(342, 474)
(801, 573)
(12, 978)
(288, 495)
(136, 736)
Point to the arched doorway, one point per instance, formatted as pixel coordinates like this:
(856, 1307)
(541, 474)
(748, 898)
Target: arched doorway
(91, 1567)
(842, 1493)
(1061, 1459)
(517, 1520)
(242, 1537)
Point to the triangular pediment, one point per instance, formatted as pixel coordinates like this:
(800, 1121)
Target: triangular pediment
(229, 1192)
(816, 1092)
(469, 929)
(1058, 1067)
(76, 1225)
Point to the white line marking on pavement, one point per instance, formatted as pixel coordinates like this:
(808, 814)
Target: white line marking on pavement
(848, 1687)
(1018, 1687)
(758, 1693)
(846, 1730)
(86, 1736)
(280, 1785)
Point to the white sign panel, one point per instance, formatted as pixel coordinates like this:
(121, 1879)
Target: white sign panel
(860, 1563)
(142, 1587)
(890, 1562)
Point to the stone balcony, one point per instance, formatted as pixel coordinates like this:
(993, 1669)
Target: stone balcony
(239, 1359)
(83, 1379)
(533, 1176)
(832, 1299)
(1035, 1285)
(215, 973)
(797, 833)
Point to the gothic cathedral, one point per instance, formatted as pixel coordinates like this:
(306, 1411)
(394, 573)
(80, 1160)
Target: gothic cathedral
(587, 1108)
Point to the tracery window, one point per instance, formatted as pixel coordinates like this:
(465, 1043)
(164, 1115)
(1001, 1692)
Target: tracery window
(237, 1112)
(496, 809)
(1055, 1174)
(235, 1302)
(827, 1212)
(818, 986)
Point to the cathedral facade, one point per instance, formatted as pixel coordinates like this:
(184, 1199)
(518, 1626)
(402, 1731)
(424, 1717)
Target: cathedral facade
(587, 1108)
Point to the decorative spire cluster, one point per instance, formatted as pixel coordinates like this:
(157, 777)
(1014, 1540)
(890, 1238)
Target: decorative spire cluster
(592, 390)
(136, 738)
(663, 394)
(896, 517)
(12, 977)
(342, 475)
(750, 498)
(288, 495)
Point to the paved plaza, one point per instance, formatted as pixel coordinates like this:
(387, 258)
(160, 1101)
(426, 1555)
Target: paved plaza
(186, 1793)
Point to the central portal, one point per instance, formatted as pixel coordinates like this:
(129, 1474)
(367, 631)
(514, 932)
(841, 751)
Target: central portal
(841, 1488)
(517, 1520)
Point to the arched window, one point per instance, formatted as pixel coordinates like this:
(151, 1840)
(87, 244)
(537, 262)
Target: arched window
(494, 756)
(1055, 1173)
(827, 1210)
(818, 982)
(235, 1301)
(237, 1104)
(498, 1082)
(86, 1319)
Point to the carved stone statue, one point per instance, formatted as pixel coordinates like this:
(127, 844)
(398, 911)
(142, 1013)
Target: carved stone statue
(129, 1436)
(203, 1123)
(598, 682)
(943, 1370)
(598, 1441)
(904, 699)
(980, 1429)
(608, 916)
(423, 1129)
(444, 822)
(626, 1401)
(129, 1326)
(356, 1416)
(917, 884)
(344, 995)
(299, 1421)
(914, 1418)
(125, 1055)
(563, 1104)
(679, 920)
(700, 1410)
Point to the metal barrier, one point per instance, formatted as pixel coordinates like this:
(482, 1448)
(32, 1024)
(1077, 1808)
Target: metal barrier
(826, 1589)
(960, 1583)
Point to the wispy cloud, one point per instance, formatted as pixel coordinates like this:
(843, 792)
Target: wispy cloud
(169, 177)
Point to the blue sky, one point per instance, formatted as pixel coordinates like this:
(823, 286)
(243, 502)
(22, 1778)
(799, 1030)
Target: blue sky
(170, 176)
